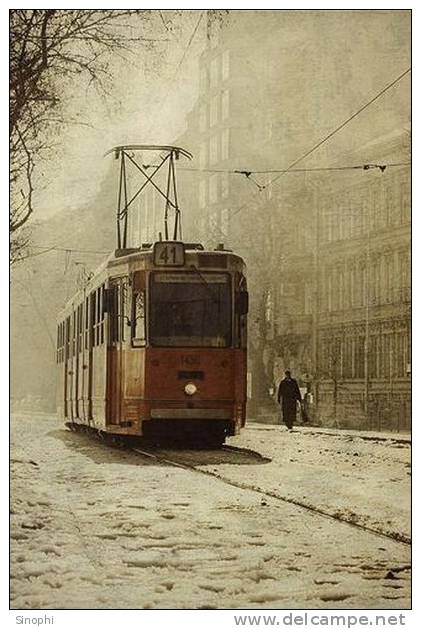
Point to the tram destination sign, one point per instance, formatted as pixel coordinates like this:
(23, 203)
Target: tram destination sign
(168, 253)
(189, 277)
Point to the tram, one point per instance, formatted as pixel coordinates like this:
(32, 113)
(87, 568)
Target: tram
(155, 343)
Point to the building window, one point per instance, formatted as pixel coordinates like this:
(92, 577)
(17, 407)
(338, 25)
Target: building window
(360, 218)
(225, 220)
(203, 118)
(224, 185)
(390, 209)
(329, 291)
(204, 78)
(403, 266)
(213, 188)
(346, 217)
(348, 357)
(351, 272)
(213, 152)
(329, 225)
(203, 155)
(364, 285)
(308, 295)
(385, 346)
(225, 105)
(376, 206)
(390, 289)
(214, 73)
(202, 193)
(214, 111)
(359, 346)
(213, 222)
(405, 203)
(341, 290)
(225, 140)
(375, 281)
(335, 224)
(373, 356)
(401, 355)
(214, 34)
(225, 65)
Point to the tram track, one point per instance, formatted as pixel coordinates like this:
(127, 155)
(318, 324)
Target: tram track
(153, 453)
(398, 538)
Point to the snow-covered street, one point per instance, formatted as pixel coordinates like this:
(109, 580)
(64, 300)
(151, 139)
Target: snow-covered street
(98, 527)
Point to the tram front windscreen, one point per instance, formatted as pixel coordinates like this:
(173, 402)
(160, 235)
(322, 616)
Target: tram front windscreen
(190, 309)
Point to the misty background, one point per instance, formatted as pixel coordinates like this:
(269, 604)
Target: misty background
(294, 76)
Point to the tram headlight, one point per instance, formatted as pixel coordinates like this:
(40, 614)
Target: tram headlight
(190, 388)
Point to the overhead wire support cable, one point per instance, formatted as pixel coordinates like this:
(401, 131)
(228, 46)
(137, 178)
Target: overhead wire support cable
(190, 42)
(347, 121)
(329, 135)
(53, 248)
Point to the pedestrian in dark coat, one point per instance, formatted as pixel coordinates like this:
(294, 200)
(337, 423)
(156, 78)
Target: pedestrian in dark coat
(290, 393)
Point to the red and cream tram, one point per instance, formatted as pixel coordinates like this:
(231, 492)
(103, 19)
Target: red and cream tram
(155, 345)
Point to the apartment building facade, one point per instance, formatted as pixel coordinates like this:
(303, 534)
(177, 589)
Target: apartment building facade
(364, 308)
(328, 256)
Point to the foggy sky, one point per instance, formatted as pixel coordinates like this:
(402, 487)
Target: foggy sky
(359, 53)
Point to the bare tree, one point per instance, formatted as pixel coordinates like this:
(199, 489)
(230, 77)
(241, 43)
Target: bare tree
(49, 50)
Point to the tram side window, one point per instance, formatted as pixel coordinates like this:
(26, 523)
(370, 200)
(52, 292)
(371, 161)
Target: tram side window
(60, 342)
(80, 327)
(67, 338)
(241, 314)
(125, 308)
(78, 330)
(93, 318)
(113, 313)
(86, 322)
(138, 319)
(98, 316)
(74, 333)
(97, 325)
(101, 316)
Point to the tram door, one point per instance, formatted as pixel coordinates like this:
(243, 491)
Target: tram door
(77, 360)
(73, 368)
(115, 351)
(70, 379)
(85, 367)
(89, 342)
(68, 370)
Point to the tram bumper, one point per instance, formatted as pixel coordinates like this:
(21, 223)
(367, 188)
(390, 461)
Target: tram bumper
(200, 423)
(191, 413)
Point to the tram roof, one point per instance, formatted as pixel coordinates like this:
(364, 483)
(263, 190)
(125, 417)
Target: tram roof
(130, 255)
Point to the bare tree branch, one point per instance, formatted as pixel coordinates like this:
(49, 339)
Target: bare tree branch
(50, 48)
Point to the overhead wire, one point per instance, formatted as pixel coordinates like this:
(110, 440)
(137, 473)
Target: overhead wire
(249, 172)
(47, 249)
(192, 36)
(180, 63)
(281, 172)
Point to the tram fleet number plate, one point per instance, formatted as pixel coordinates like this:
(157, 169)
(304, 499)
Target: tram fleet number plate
(168, 253)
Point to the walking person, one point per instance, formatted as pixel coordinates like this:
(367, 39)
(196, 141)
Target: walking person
(290, 393)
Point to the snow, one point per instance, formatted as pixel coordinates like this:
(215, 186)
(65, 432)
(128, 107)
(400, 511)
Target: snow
(95, 527)
(360, 477)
